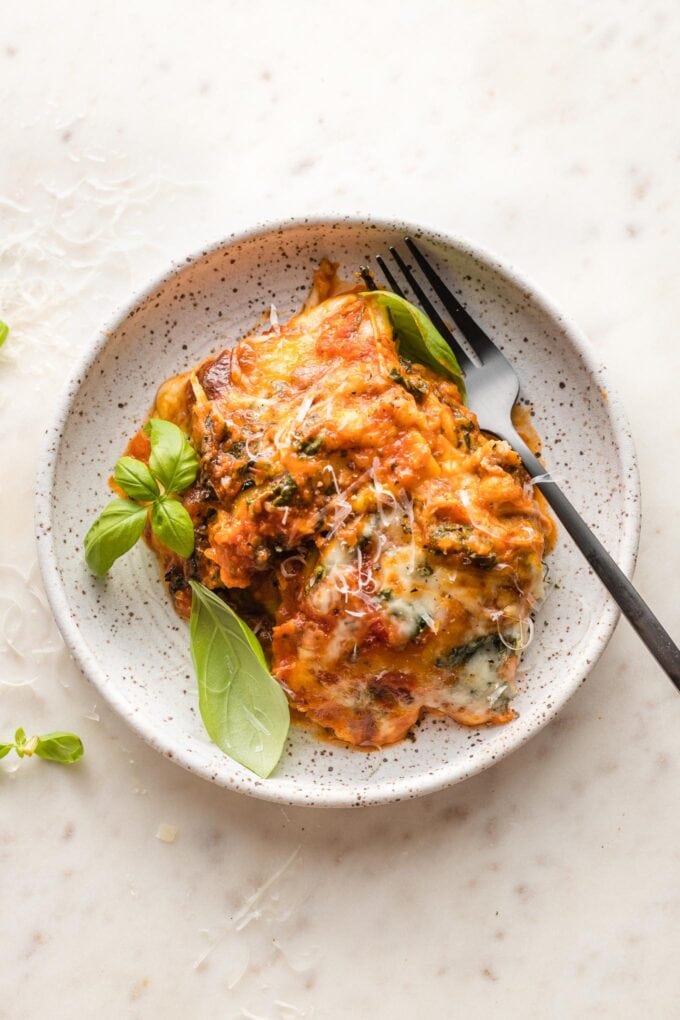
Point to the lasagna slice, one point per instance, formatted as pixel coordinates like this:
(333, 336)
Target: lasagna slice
(387, 552)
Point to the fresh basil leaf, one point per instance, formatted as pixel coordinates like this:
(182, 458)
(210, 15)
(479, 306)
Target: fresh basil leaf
(116, 530)
(172, 524)
(417, 339)
(244, 709)
(173, 459)
(5, 749)
(20, 739)
(4, 333)
(135, 479)
(62, 747)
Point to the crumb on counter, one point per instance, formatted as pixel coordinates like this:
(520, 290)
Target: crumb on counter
(166, 833)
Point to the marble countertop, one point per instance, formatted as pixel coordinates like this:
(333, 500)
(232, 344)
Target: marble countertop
(133, 134)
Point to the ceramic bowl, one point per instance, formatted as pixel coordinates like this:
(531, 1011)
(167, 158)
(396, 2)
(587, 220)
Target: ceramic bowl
(123, 631)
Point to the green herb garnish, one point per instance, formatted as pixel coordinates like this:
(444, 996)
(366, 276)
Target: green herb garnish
(152, 492)
(173, 460)
(173, 526)
(115, 531)
(243, 708)
(136, 480)
(4, 332)
(417, 339)
(64, 748)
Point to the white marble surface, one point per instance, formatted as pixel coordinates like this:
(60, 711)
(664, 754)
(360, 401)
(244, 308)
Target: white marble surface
(132, 133)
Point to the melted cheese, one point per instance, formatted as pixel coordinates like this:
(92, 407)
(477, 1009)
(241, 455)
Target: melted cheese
(351, 498)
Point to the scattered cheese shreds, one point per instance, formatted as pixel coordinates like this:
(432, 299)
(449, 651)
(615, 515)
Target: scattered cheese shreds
(274, 319)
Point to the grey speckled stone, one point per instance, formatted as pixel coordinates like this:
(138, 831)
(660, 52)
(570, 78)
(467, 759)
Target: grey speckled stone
(123, 630)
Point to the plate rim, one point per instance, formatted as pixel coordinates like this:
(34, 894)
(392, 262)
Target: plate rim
(388, 790)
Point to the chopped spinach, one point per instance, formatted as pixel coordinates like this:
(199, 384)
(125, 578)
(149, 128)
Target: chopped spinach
(416, 387)
(310, 446)
(315, 576)
(456, 539)
(459, 656)
(485, 561)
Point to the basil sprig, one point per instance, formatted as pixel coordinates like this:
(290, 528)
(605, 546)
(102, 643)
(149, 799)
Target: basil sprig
(115, 531)
(417, 339)
(135, 479)
(173, 459)
(152, 491)
(243, 708)
(64, 748)
(173, 526)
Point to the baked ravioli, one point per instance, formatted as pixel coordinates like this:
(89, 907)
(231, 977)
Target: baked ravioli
(387, 552)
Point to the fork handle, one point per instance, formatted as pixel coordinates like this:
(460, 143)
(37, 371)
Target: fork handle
(643, 620)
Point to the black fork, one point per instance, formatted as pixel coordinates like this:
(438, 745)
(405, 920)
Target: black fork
(492, 391)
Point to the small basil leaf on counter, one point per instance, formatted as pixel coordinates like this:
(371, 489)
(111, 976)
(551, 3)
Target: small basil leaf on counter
(5, 749)
(173, 459)
(30, 746)
(4, 332)
(115, 531)
(244, 709)
(135, 479)
(65, 748)
(417, 339)
(172, 524)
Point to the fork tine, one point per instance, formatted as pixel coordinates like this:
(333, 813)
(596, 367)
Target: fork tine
(388, 276)
(463, 360)
(474, 334)
(367, 277)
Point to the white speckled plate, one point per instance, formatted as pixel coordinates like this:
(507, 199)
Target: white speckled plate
(123, 630)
